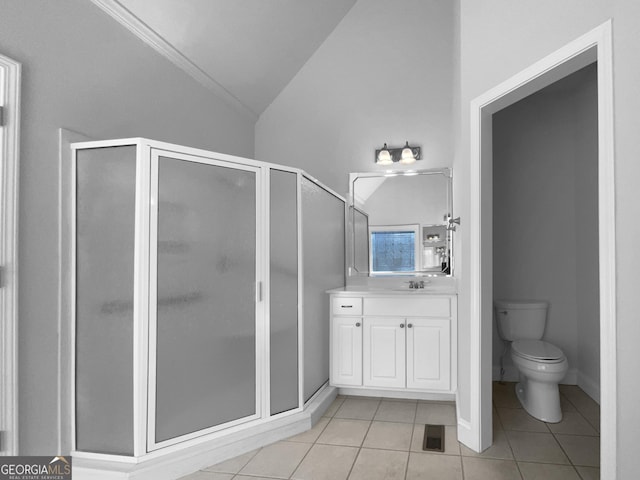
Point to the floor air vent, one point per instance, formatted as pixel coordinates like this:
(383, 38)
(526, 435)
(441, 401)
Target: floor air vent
(433, 438)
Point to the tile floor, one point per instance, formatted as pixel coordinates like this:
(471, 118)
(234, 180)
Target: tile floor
(372, 438)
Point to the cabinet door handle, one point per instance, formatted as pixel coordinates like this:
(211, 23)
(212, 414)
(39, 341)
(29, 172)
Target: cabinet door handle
(357, 324)
(409, 325)
(402, 325)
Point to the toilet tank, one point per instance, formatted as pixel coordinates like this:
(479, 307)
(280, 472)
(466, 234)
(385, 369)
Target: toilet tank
(520, 319)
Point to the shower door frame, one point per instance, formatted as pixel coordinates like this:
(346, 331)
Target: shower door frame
(259, 319)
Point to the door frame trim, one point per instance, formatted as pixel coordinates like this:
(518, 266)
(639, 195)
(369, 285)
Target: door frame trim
(595, 45)
(10, 75)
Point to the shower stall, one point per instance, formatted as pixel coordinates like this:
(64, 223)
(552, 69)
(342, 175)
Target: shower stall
(200, 306)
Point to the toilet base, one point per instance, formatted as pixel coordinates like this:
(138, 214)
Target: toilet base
(541, 400)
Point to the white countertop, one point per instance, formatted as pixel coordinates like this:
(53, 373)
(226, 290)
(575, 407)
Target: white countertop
(429, 289)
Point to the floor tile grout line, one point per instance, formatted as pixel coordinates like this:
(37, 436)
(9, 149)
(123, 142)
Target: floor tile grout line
(413, 430)
(313, 443)
(257, 450)
(555, 464)
(568, 457)
(518, 468)
(511, 448)
(363, 439)
(579, 410)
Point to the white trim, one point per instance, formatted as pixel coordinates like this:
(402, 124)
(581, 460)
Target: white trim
(141, 303)
(198, 152)
(398, 393)
(300, 291)
(72, 306)
(149, 36)
(595, 45)
(323, 186)
(607, 256)
(10, 77)
(65, 286)
(465, 432)
(263, 293)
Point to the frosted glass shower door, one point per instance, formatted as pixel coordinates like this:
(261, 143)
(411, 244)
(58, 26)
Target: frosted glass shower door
(323, 215)
(203, 314)
(104, 299)
(283, 289)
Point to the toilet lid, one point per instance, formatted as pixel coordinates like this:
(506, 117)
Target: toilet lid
(537, 350)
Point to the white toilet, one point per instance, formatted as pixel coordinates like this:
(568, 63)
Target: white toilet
(541, 365)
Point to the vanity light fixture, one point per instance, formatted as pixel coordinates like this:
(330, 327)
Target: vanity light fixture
(405, 155)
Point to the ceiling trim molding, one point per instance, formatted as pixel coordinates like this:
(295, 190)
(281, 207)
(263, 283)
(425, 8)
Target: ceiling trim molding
(145, 33)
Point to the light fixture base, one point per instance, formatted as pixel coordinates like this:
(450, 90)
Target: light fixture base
(396, 154)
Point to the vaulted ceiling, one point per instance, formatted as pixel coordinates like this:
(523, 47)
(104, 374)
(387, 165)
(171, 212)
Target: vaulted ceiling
(250, 48)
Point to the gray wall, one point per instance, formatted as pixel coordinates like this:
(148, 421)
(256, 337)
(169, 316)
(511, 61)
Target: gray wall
(400, 200)
(545, 192)
(83, 71)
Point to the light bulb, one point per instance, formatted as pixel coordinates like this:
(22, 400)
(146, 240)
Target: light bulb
(407, 155)
(384, 156)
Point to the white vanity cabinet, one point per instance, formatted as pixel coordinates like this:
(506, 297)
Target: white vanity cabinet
(397, 342)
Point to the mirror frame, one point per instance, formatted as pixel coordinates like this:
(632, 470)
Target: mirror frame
(351, 233)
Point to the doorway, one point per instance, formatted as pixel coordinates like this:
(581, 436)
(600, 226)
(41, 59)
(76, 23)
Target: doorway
(9, 150)
(594, 46)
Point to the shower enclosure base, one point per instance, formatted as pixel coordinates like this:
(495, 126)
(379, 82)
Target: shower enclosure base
(187, 457)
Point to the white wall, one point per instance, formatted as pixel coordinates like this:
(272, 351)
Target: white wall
(500, 38)
(545, 242)
(83, 71)
(385, 74)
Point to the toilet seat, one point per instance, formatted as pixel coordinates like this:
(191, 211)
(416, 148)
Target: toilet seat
(537, 351)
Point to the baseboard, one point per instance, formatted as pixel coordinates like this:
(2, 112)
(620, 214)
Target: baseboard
(590, 386)
(400, 394)
(191, 459)
(466, 436)
(511, 375)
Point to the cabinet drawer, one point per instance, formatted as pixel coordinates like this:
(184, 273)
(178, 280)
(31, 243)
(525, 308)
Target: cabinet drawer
(409, 307)
(346, 306)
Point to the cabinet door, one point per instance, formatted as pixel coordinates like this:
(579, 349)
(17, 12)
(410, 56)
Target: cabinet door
(384, 352)
(428, 353)
(347, 351)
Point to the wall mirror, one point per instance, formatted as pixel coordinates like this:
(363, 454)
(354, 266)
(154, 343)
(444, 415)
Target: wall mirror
(398, 223)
